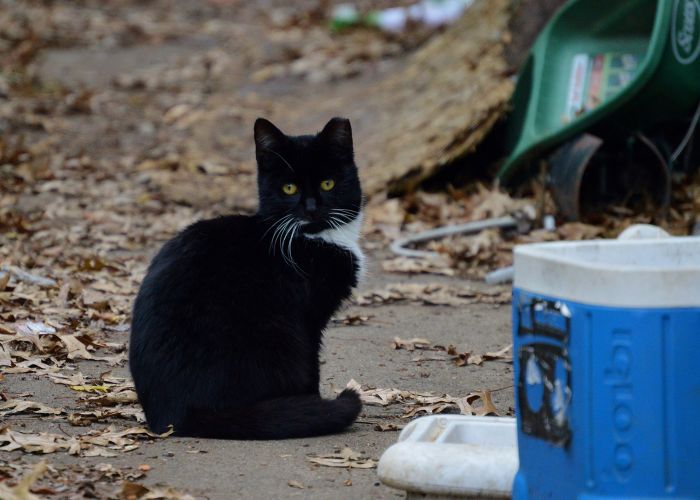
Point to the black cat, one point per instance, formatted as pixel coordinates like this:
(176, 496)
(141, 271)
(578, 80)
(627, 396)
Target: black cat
(227, 326)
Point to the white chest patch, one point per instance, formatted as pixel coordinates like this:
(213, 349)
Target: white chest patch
(346, 236)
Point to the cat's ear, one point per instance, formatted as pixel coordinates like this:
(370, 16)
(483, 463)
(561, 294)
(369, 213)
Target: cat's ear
(267, 137)
(338, 135)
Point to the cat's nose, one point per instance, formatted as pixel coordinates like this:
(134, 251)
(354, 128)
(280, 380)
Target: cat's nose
(310, 205)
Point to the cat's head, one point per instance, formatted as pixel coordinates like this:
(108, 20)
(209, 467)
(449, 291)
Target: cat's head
(308, 180)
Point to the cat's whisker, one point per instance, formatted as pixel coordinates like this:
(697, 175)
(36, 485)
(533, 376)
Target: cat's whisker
(288, 219)
(276, 227)
(292, 235)
(288, 233)
(336, 222)
(344, 215)
(331, 223)
(273, 224)
(285, 231)
(345, 210)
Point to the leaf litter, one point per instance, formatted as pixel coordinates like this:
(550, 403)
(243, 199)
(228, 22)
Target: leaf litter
(426, 403)
(432, 294)
(450, 352)
(346, 458)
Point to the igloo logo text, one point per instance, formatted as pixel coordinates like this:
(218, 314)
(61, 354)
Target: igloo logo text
(685, 30)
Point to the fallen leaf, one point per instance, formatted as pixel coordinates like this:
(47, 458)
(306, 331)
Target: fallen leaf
(15, 406)
(22, 491)
(467, 358)
(168, 493)
(579, 231)
(5, 356)
(352, 320)
(495, 203)
(115, 398)
(501, 354)
(425, 402)
(388, 427)
(4, 280)
(428, 294)
(75, 379)
(377, 397)
(75, 349)
(296, 484)
(85, 418)
(410, 344)
(100, 442)
(42, 442)
(132, 491)
(344, 458)
(95, 300)
(90, 388)
(487, 407)
(418, 266)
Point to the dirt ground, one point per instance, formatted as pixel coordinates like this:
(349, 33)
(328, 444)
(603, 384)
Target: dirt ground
(119, 126)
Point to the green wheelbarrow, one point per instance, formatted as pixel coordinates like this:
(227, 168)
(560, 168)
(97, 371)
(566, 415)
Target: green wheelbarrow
(605, 73)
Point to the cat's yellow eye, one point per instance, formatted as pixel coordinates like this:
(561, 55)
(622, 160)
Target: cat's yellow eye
(289, 189)
(328, 184)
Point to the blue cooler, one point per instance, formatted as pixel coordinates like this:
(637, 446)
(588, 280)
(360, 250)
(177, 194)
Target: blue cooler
(607, 369)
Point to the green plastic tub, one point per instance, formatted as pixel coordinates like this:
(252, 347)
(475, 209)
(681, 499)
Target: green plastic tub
(614, 66)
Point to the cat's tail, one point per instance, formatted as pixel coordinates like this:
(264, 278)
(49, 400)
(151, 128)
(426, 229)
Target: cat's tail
(281, 418)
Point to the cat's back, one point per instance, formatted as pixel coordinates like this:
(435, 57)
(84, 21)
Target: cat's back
(204, 242)
(204, 255)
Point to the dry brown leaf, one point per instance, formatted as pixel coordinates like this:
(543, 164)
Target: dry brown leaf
(115, 398)
(388, 427)
(95, 300)
(4, 279)
(429, 294)
(75, 349)
(579, 231)
(418, 266)
(42, 442)
(352, 320)
(132, 491)
(487, 407)
(410, 344)
(5, 356)
(501, 354)
(88, 417)
(90, 388)
(22, 491)
(425, 402)
(95, 443)
(467, 358)
(15, 406)
(65, 379)
(344, 458)
(495, 203)
(376, 397)
(429, 409)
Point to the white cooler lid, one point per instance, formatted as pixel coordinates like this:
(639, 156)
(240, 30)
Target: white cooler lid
(619, 273)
